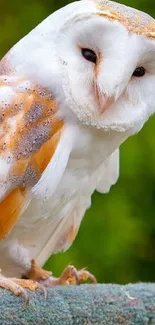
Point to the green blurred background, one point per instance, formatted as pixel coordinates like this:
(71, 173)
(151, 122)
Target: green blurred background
(116, 240)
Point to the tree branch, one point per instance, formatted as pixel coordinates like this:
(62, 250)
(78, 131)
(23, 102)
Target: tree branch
(82, 305)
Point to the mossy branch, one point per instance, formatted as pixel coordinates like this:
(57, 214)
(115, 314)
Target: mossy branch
(82, 305)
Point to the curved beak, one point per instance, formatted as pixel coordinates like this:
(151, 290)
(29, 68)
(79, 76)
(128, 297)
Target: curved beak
(104, 104)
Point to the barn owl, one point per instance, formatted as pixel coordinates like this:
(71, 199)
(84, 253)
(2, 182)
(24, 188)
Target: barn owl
(71, 92)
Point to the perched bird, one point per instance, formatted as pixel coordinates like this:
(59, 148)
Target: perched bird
(71, 92)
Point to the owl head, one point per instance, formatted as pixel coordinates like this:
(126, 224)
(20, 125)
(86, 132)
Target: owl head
(99, 56)
(107, 55)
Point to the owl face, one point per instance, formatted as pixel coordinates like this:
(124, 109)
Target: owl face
(108, 65)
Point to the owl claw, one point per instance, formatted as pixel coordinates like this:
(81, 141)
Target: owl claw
(85, 276)
(19, 286)
(13, 286)
(69, 276)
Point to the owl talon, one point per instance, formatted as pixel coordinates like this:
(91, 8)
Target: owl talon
(19, 286)
(85, 276)
(72, 276)
(69, 276)
(31, 285)
(15, 288)
(44, 279)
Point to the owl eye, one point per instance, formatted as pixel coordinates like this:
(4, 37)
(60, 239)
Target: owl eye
(89, 55)
(139, 72)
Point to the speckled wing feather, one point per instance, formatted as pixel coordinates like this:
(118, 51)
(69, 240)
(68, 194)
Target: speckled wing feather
(29, 135)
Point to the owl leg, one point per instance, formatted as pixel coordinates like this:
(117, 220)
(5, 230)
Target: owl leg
(19, 286)
(69, 276)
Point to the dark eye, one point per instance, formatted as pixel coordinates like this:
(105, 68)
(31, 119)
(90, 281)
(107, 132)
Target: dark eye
(139, 72)
(89, 55)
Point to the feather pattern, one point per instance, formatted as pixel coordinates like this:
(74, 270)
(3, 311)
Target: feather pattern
(30, 133)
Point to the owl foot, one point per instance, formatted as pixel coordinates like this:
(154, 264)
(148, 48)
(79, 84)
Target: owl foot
(69, 276)
(19, 286)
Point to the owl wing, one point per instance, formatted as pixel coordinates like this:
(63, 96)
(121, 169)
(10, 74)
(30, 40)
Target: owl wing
(34, 147)
(109, 172)
(66, 229)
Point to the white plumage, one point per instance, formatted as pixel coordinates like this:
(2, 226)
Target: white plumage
(63, 118)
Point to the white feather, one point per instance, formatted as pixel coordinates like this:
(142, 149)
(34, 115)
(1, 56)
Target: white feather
(109, 173)
(54, 171)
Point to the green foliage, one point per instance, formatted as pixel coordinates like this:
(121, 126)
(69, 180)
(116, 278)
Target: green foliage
(117, 237)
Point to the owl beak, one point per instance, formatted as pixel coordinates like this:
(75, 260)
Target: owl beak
(108, 101)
